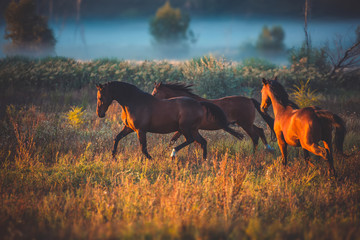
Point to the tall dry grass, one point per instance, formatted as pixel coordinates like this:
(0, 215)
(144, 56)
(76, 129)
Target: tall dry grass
(59, 181)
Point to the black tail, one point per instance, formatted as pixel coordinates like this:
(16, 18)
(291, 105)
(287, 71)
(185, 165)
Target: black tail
(220, 118)
(269, 120)
(340, 129)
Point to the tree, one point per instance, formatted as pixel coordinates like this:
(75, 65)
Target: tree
(29, 32)
(170, 26)
(271, 39)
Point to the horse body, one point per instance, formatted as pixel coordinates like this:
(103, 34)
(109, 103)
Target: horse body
(303, 127)
(238, 110)
(142, 113)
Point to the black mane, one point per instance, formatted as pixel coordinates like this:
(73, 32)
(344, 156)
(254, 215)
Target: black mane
(127, 90)
(280, 94)
(180, 87)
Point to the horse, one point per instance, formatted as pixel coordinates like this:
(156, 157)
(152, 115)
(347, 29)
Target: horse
(302, 127)
(142, 113)
(238, 110)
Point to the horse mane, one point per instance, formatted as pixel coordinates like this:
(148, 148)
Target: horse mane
(281, 95)
(180, 87)
(131, 89)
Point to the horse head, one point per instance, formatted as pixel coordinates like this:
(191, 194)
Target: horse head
(104, 99)
(159, 91)
(265, 98)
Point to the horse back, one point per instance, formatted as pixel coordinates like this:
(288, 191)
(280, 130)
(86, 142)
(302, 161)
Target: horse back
(238, 109)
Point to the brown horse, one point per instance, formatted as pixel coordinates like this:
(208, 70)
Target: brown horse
(142, 113)
(303, 127)
(238, 110)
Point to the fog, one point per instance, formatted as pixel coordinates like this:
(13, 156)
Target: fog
(224, 36)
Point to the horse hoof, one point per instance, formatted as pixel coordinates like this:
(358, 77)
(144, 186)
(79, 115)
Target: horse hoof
(173, 154)
(268, 148)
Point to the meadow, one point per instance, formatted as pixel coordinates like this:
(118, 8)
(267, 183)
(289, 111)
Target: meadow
(58, 179)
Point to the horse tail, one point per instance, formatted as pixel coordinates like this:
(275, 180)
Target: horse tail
(220, 118)
(340, 129)
(269, 120)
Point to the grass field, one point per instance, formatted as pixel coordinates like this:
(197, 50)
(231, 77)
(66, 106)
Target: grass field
(59, 181)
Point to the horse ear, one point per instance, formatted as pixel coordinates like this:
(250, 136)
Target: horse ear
(99, 86)
(264, 81)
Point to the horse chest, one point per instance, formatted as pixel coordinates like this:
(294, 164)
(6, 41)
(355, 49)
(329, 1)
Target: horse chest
(132, 120)
(289, 136)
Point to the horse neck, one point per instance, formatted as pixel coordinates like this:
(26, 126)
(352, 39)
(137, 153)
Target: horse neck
(277, 106)
(126, 95)
(186, 94)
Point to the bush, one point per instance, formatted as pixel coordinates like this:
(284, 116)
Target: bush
(29, 32)
(316, 57)
(271, 39)
(170, 26)
(304, 96)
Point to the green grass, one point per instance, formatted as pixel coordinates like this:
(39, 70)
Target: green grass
(59, 181)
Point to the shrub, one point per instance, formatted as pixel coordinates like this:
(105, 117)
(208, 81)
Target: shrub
(304, 96)
(75, 116)
(271, 39)
(213, 78)
(170, 26)
(316, 57)
(29, 32)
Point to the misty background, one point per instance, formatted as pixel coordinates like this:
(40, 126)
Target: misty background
(89, 29)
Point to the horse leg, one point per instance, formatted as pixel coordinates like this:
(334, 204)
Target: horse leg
(330, 159)
(188, 140)
(175, 138)
(307, 158)
(283, 147)
(233, 132)
(253, 135)
(198, 138)
(142, 140)
(260, 132)
(124, 132)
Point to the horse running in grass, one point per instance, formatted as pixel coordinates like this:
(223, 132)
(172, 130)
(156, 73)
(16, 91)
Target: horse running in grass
(304, 127)
(238, 110)
(142, 113)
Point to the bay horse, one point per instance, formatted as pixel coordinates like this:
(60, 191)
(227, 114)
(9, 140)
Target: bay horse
(142, 113)
(302, 127)
(238, 110)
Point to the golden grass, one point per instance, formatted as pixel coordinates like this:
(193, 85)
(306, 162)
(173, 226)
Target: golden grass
(58, 181)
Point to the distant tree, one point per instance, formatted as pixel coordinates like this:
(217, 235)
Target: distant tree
(29, 32)
(170, 26)
(271, 39)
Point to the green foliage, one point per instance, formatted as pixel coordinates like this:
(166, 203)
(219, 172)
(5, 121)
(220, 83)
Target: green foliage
(29, 32)
(271, 40)
(315, 57)
(213, 78)
(258, 63)
(304, 96)
(170, 26)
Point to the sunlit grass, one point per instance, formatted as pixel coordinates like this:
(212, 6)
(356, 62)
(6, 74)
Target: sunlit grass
(62, 182)
(58, 179)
